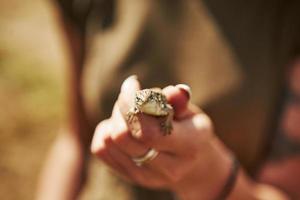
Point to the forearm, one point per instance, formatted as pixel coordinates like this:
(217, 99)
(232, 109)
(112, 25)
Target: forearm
(62, 175)
(247, 189)
(244, 187)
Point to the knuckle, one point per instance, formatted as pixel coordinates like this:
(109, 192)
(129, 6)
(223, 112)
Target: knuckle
(100, 136)
(101, 151)
(101, 147)
(202, 123)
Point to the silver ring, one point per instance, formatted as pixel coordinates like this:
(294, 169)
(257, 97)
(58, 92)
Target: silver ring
(150, 155)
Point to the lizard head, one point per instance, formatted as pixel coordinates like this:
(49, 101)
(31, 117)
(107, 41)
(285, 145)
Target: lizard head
(151, 101)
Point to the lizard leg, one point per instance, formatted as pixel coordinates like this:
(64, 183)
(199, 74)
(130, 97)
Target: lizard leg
(166, 126)
(130, 115)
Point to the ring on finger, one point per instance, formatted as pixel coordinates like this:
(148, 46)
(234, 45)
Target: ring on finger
(141, 160)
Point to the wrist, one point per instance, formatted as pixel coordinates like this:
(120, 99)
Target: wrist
(231, 179)
(243, 188)
(207, 179)
(247, 189)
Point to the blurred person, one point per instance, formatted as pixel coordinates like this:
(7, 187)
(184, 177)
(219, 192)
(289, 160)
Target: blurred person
(236, 56)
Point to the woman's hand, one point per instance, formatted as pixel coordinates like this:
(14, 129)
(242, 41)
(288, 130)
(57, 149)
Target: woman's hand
(191, 161)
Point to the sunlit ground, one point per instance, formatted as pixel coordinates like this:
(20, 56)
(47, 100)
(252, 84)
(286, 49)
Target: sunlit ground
(32, 93)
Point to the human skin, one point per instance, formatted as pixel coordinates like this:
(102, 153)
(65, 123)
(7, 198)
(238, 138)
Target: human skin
(192, 161)
(70, 166)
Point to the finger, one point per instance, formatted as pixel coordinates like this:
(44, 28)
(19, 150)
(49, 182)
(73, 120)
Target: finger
(104, 148)
(100, 135)
(178, 96)
(150, 134)
(167, 165)
(99, 146)
(141, 175)
(185, 88)
(107, 158)
(164, 163)
(127, 94)
(191, 134)
(185, 138)
(122, 137)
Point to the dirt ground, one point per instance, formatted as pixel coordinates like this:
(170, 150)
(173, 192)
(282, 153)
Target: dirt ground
(32, 93)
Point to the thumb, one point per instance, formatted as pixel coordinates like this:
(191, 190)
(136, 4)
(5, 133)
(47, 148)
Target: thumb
(126, 97)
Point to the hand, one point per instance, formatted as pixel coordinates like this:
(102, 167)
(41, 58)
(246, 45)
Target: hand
(191, 161)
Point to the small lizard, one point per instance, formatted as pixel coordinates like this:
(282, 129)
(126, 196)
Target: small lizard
(154, 103)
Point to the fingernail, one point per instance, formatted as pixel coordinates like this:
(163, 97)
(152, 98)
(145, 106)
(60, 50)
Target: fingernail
(186, 89)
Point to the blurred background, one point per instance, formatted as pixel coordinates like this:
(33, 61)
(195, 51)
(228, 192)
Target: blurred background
(32, 89)
(33, 60)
